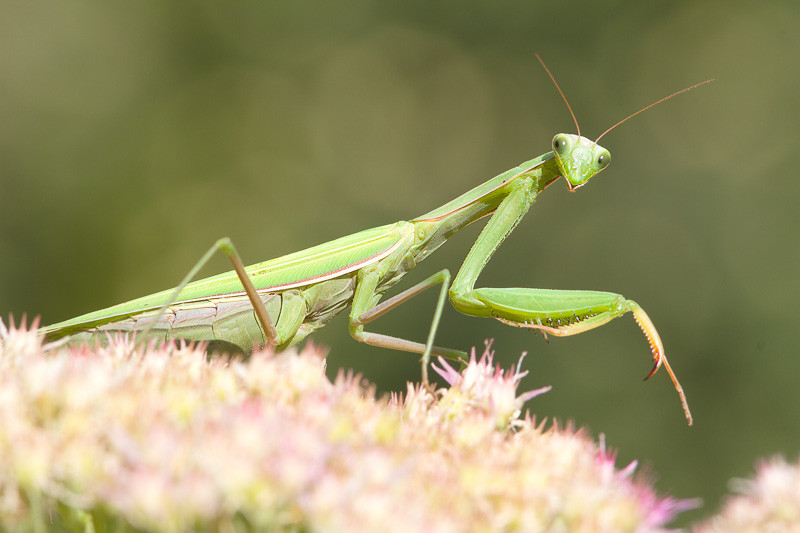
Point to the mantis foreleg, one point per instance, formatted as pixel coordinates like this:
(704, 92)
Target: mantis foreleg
(555, 312)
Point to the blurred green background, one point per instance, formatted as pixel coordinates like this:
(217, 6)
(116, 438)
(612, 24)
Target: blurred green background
(135, 134)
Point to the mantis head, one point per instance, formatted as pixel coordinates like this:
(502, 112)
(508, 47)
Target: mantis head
(578, 158)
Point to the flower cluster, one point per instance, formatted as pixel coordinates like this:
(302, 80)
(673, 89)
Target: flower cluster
(770, 502)
(164, 439)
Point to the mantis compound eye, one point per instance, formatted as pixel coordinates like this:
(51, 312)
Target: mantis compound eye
(560, 143)
(602, 160)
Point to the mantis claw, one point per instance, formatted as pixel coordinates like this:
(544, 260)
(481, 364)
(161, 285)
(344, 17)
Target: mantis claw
(655, 368)
(650, 333)
(660, 358)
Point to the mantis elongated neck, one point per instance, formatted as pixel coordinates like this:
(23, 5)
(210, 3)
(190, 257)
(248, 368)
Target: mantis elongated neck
(440, 224)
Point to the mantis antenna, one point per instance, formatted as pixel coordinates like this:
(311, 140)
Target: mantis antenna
(624, 119)
(561, 93)
(651, 105)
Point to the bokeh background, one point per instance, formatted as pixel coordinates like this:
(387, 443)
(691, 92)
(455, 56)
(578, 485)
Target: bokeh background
(132, 135)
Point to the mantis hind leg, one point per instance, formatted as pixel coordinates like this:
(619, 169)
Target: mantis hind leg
(225, 245)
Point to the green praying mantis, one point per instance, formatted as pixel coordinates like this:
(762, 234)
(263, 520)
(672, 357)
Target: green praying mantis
(280, 301)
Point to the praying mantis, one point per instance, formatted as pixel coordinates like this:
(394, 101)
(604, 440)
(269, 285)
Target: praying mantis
(281, 301)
